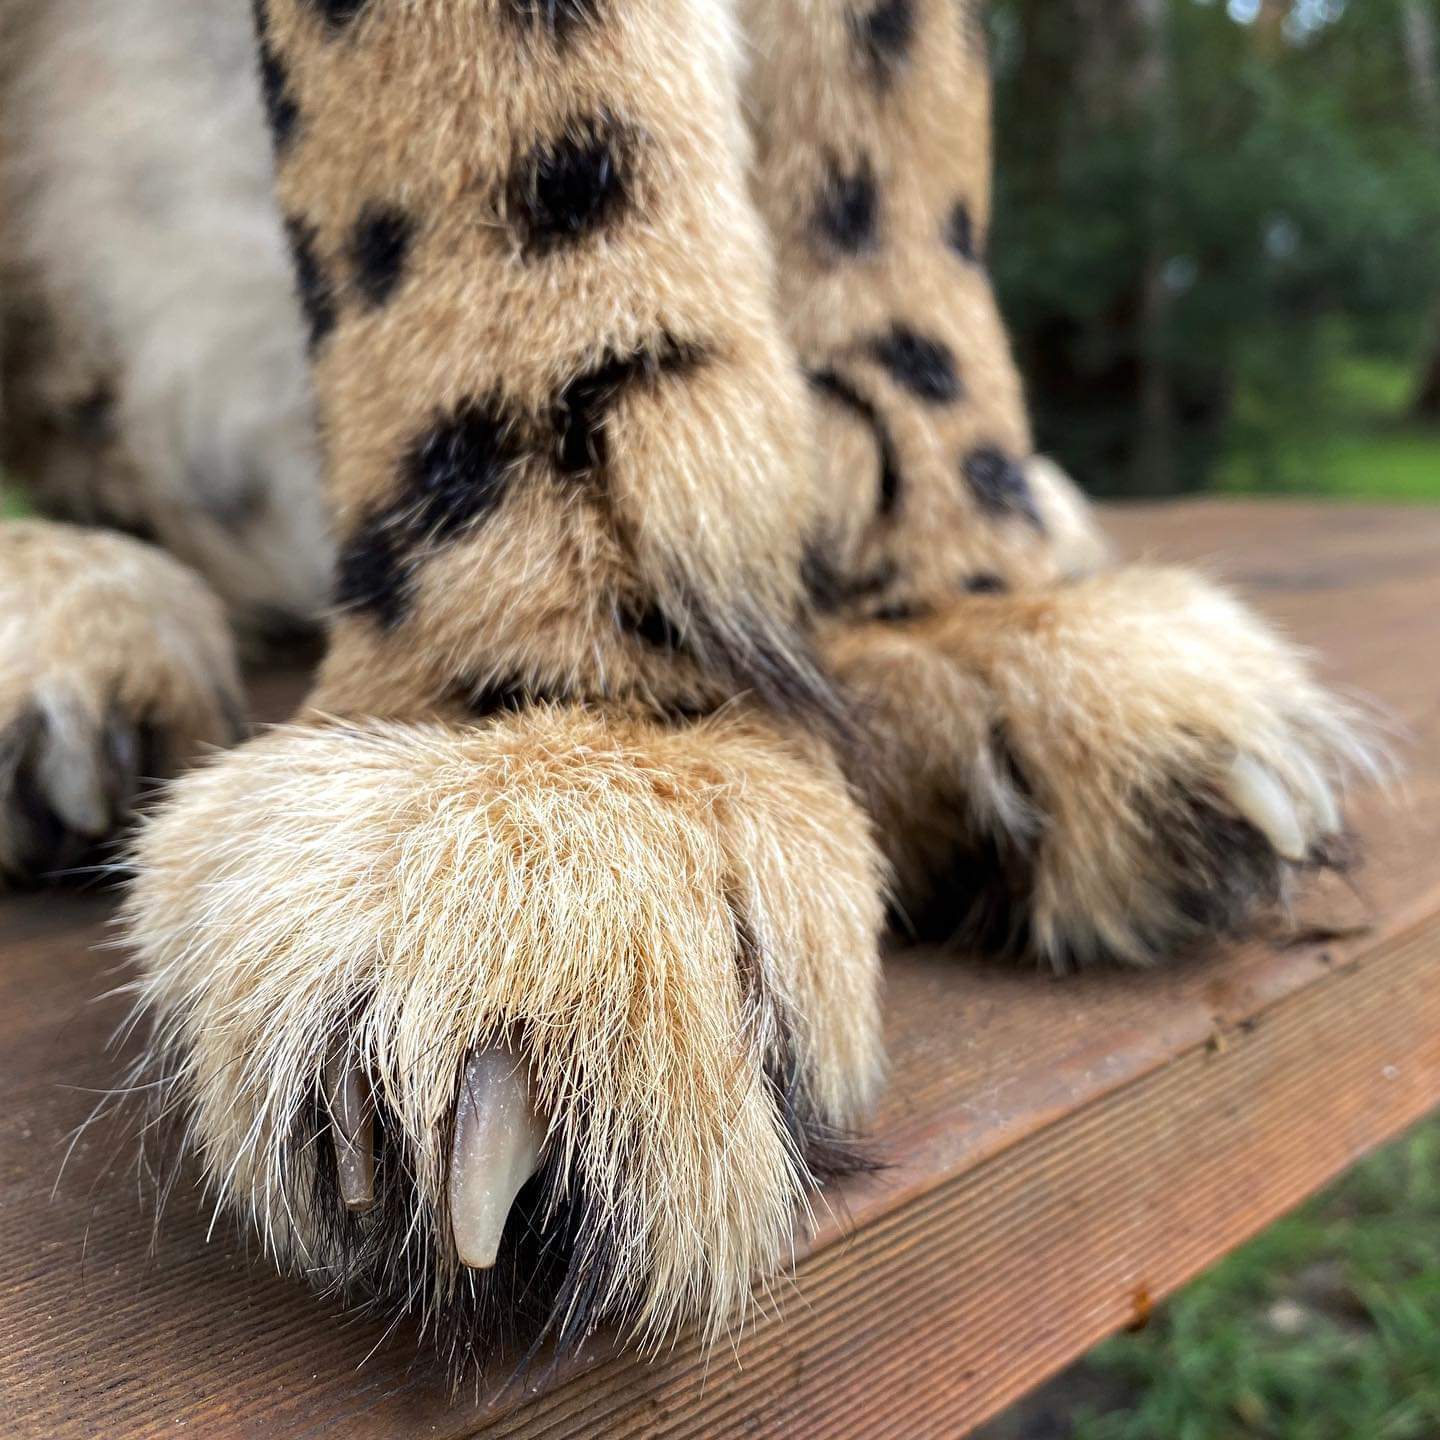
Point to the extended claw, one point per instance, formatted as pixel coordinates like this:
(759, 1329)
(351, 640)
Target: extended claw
(1262, 800)
(498, 1138)
(353, 1129)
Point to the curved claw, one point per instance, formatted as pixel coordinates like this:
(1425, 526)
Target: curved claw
(498, 1138)
(1262, 800)
(353, 1128)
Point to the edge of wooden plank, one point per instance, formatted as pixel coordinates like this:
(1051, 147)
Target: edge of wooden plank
(949, 1308)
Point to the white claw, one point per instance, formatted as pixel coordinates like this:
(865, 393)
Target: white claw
(498, 1139)
(353, 1129)
(1262, 800)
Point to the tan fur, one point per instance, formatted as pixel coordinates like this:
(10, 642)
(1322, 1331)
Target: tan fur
(652, 877)
(706, 502)
(1083, 728)
(569, 876)
(100, 635)
(925, 137)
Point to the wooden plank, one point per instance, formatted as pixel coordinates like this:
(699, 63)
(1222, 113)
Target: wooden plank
(1062, 1154)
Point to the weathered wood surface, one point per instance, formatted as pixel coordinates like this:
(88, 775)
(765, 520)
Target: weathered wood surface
(1063, 1154)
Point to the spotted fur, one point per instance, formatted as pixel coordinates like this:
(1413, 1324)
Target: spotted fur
(681, 496)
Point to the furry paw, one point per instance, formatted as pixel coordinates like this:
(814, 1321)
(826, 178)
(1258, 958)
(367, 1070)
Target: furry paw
(116, 667)
(515, 1028)
(1119, 768)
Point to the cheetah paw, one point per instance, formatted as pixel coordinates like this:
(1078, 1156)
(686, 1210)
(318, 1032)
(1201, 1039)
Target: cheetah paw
(515, 1028)
(116, 668)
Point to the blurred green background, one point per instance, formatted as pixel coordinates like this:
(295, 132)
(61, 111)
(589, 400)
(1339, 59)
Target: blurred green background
(1217, 240)
(1218, 243)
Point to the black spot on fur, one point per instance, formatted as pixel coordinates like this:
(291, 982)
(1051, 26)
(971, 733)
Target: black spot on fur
(903, 611)
(847, 209)
(572, 186)
(453, 476)
(458, 470)
(960, 233)
(999, 486)
(650, 624)
(338, 15)
(379, 246)
(886, 34)
(923, 366)
(558, 18)
(281, 110)
(985, 585)
(581, 408)
(374, 572)
(836, 388)
(317, 296)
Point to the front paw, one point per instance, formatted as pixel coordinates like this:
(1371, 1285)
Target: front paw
(1120, 768)
(116, 668)
(518, 1028)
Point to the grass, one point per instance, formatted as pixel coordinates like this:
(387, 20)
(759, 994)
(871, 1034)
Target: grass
(1362, 447)
(1326, 1327)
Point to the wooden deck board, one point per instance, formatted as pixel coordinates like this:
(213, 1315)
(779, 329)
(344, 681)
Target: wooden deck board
(1062, 1154)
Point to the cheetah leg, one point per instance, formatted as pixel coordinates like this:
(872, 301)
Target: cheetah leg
(553, 874)
(1073, 763)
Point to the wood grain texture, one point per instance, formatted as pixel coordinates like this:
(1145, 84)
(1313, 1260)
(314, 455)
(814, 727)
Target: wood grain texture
(1062, 1154)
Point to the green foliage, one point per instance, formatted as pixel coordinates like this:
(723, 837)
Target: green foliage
(1275, 190)
(1327, 1327)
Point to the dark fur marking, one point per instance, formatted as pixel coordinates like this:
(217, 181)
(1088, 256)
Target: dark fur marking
(979, 895)
(454, 475)
(835, 387)
(379, 247)
(338, 15)
(572, 186)
(886, 35)
(458, 470)
(999, 485)
(504, 695)
(374, 573)
(747, 650)
(985, 585)
(847, 209)
(281, 110)
(903, 611)
(832, 592)
(317, 295)
(825, 1152)
(558, 18)
(918, 363)
(960, 233)
(651, 625)
(581, 409)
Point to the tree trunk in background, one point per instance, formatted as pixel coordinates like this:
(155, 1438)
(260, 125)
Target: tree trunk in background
(1155, 470)
(1270, 26)
(1419, 37)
